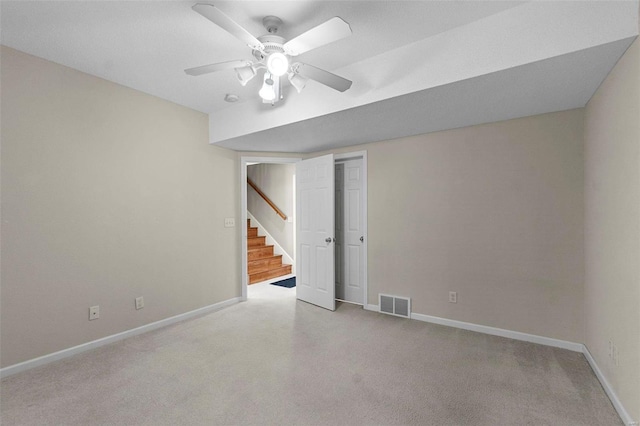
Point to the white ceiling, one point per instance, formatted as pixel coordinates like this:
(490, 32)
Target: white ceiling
(417, 66)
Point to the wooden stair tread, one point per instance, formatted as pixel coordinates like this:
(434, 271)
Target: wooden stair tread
(271, 273)
(264, 264)
(274, 258)
(253, 242)
(259, 248)
(254, 253)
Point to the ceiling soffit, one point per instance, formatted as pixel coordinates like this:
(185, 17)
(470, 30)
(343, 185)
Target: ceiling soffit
(525, 34)
(555, 84)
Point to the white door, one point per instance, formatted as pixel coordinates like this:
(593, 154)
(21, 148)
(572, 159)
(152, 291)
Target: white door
(315, 231)
(349, 231)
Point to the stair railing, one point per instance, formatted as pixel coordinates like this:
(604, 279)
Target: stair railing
(265, 198)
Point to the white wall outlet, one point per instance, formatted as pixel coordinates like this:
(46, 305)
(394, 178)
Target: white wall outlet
(94, 312)
(229, 222)
(453, 297)
(139, 302)
(615, 356)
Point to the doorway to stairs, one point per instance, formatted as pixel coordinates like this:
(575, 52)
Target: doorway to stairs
(261, 250)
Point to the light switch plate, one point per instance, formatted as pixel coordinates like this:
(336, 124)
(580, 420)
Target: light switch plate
(229, 222)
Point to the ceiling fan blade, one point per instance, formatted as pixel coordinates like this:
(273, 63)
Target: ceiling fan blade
(206, 69)
(216, 16)
(328, 32)
(325, 77)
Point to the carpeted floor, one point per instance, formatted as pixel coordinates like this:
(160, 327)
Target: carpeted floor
(273, 360)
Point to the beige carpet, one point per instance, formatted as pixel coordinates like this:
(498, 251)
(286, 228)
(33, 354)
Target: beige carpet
(273, 360)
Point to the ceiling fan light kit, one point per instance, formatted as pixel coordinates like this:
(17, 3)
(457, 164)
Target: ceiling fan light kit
(274, 53)
(245, 74)
(297, 81)
(270, 91)
(277, 64)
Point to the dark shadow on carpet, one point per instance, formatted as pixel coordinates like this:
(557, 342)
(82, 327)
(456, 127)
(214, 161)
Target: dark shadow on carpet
(289, 282)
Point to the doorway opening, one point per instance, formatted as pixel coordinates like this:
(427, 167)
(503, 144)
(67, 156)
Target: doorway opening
(283, 227)
(350, 256)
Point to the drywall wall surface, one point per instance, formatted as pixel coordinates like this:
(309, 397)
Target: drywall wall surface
(612, 228)
(107, 194)
(493, 212)
(276, 182)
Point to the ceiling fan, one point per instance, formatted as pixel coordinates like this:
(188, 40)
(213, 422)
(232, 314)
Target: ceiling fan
(274, 54)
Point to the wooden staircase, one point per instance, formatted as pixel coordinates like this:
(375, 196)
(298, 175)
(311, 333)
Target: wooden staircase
(262, 264)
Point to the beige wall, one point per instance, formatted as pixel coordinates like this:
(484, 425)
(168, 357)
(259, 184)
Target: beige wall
(612, 227)
(107, 194)
(493, 212)
(276, 181)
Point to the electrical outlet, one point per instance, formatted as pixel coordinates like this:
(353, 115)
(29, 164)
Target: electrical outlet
(139, 302)
(229, 222)
(94, 312)
(615, 356)
(453, 297)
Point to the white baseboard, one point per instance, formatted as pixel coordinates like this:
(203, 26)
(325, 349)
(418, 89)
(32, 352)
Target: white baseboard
(45, 359)
(516, 335)
(624, 415)
(374, 308)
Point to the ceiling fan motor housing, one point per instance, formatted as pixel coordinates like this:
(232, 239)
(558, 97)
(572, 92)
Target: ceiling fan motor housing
(272, 43)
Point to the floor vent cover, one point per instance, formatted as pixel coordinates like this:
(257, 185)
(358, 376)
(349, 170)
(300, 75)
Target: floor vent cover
(394, 305)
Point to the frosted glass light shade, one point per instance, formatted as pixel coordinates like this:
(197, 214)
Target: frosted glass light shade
(267, 92)
(245, 74)
(277, 64)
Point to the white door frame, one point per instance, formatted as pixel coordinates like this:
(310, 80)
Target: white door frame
(352, 156)
(244, 162)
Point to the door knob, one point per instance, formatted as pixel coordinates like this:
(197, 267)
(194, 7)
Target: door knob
(328, 239)
(362, 239)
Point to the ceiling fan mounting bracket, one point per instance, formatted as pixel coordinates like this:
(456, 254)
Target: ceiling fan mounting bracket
(271, 23)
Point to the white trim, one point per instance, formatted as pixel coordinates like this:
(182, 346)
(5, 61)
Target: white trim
(244, 161)
(65, 353)
(374, 308)
(354, 155)
(516, 335)
(277, 248)
(624, 415)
